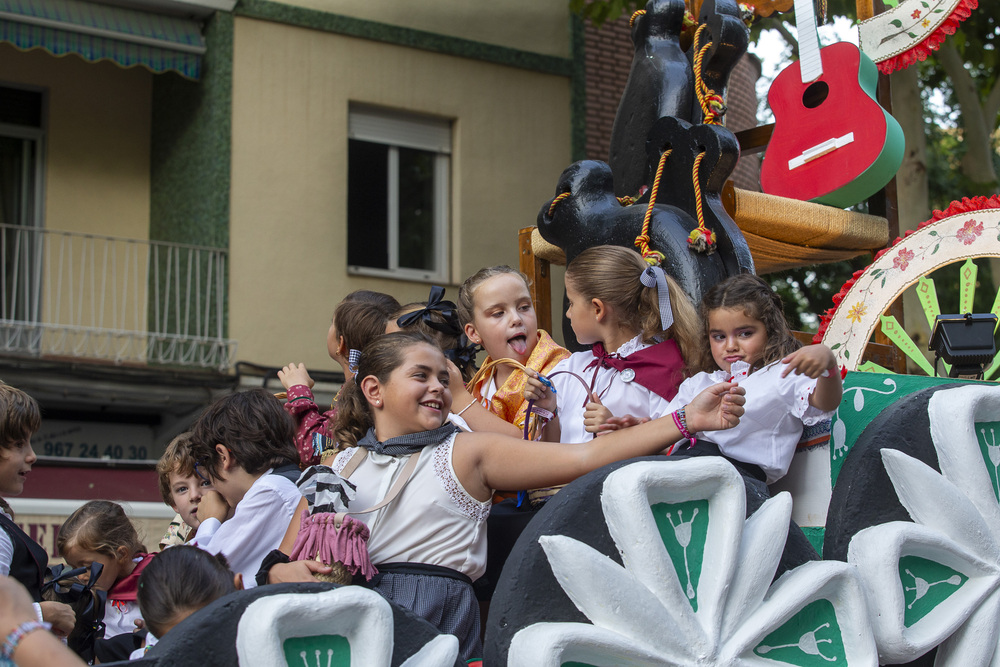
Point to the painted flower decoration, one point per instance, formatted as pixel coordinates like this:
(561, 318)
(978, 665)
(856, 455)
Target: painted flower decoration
(696, 586)
(856, 312)
(915, 14)
(936, 582)
(347, 625)
(925, 23)
(969, 232)
(903, 259)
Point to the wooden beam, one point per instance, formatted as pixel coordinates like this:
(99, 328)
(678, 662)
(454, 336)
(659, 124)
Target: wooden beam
(539, 278)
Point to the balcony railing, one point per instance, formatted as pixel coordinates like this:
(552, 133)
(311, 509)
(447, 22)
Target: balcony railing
(116, 299)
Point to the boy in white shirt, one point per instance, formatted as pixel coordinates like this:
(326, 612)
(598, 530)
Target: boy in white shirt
(236, 443)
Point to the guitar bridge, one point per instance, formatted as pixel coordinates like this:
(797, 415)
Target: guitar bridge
(820, 150)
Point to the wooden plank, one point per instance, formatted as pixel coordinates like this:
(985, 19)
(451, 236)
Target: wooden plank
(539, 278)
(755, 139)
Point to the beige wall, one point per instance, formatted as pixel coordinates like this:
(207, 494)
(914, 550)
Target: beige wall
(539, 26)
(97, 141)
(291, 92)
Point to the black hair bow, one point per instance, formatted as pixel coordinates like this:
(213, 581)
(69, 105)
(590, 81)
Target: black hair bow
(463, 356)
(435, 304)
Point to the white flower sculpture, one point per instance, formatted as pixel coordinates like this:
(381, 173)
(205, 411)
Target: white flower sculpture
(696, 588)
(350, 625)
(937, 581)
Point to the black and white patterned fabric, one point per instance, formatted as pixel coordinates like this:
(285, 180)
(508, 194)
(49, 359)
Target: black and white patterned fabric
(409, 443)
(325, 490)
(448, 604)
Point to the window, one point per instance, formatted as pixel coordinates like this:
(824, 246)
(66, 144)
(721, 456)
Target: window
(21, 137)
(397, 194)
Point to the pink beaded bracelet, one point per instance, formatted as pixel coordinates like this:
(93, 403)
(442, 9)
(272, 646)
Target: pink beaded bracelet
(17, 634)
(680, 421)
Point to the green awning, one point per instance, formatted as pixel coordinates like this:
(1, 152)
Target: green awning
(95, 32)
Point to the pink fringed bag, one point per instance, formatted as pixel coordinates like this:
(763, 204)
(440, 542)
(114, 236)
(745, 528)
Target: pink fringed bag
(335, 538)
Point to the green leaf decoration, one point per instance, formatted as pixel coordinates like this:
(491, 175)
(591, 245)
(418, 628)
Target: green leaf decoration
(932, 233)
(935, 248)
(835, 346)
(883, 282)
(938, 11)
(926, 6)
(911, 35)
(897, 23)
(847, 354)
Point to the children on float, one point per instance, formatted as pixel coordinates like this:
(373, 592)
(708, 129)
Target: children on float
(181, 489)
(748, 341)
(360, 317)
(430, 542)
(643, 329)
(178, 583)
(22, 558)
(496, 311)
(237, 443)
(101, 532)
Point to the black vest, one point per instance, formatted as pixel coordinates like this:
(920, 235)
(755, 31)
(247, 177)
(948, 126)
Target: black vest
(29, 562)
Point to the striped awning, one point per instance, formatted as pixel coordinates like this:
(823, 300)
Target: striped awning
(95, 32)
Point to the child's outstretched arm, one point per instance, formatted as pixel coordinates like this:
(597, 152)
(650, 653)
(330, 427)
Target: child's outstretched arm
(487, 461)
(308, 417)
(814, 361)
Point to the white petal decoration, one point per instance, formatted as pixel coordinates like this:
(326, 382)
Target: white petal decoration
(610, 596)
(442, 650)
(553, 644)
(626, 498)
(953, 416)
(758, 560)
(841, 634)
(910, 617)
(975, 643)
(360, 615)
(936, 503)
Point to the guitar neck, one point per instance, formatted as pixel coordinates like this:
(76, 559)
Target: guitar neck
(810, 64)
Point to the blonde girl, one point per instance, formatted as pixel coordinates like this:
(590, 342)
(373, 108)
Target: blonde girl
(496, 311)
(643, 330)
(430, 542)
(100, 532)
(788, 386)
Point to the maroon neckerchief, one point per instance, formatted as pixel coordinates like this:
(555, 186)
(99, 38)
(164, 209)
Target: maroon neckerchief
(659, 368)
(126, 589)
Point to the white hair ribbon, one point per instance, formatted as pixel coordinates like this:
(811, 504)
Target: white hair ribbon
(653, 276)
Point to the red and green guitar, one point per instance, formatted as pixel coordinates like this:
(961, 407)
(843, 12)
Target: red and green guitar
(832, 142)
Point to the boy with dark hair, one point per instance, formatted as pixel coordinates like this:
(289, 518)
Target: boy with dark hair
(236, 443)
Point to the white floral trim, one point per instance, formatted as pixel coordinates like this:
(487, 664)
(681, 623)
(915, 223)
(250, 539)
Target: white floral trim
(340, 462)
(445, 472)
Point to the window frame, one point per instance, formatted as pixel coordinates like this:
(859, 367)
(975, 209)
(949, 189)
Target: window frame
(395, 130)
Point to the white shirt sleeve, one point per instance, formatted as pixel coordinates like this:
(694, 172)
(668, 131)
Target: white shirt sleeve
(257, 527)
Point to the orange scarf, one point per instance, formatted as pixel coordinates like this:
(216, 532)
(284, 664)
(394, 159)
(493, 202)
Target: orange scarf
(508, 402)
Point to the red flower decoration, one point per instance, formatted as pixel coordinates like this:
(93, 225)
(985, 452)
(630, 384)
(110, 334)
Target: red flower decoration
(969, 232)
(902, 260)
(915, 14)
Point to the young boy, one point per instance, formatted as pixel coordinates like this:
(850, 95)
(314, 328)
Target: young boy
(236, 444)
(181, 489)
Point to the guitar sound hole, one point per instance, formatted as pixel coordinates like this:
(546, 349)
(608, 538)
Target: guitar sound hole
(815, 94)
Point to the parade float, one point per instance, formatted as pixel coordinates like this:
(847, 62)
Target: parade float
(882, 544)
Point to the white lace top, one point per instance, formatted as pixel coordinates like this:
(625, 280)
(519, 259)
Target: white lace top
(433, 520)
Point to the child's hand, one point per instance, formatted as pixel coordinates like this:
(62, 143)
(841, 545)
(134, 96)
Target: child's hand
(296, 571)
(294, 374)
(535, 390)
(60, 615)
(618, 423)
(595, 414)
(459, 394)
(811, 360)
(716, 408)
(213, 506)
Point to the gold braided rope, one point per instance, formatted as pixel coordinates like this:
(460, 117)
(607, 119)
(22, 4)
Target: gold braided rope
(636, 14)
(652, 257)
(481, 374)
(701, 238)
(559, 198)
(712, 104)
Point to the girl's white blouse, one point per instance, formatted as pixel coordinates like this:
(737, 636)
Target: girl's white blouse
(776, 410)
(620, 397)
(433, 520)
